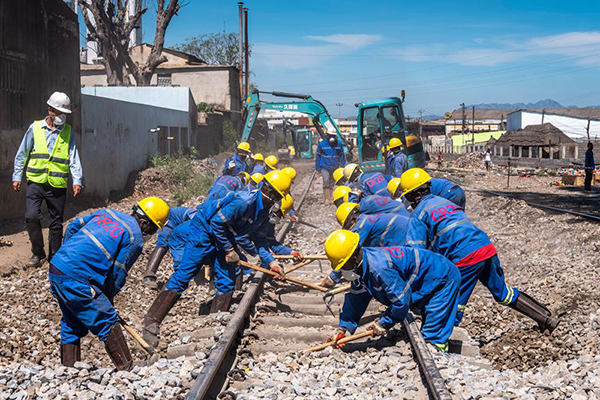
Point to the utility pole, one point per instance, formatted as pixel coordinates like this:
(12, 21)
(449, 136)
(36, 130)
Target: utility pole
(464, 118)
(588, 130)
(246, 51)
(339, 106)
(241, 49)
(543, 115)
(473, 124)
(421, 122)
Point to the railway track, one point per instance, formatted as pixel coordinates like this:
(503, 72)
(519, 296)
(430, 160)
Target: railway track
(260, 352)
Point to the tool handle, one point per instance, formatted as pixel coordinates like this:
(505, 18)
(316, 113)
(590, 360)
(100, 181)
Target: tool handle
(287, 278)
(338, 290)
(137, 337)
(306, 257)
(341, 341)
(297, 266)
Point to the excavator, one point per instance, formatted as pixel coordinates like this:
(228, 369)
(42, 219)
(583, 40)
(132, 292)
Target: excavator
(378, 122)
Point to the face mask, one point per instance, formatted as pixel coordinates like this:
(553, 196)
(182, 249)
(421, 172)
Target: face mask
(350, 276)
(60, 119)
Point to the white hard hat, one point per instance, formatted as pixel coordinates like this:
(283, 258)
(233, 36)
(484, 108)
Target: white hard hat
(60, 101)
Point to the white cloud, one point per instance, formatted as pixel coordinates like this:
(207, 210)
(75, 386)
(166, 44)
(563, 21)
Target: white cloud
(310, 56)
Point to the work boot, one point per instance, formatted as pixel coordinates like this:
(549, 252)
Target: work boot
(35, 261)
(163, 303)
(153, 263)
(55, 237)
(221, 302)
(34, 229)
(70, 353)
(117, 349)
(535, 310)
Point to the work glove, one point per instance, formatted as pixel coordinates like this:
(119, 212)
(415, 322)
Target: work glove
(377, 329)
(327, 282)
(232, 257)
(297, 256)
(275, 267)
(293, 218)
(340, 333)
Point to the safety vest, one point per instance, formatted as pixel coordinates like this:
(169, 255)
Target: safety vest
(44, 167)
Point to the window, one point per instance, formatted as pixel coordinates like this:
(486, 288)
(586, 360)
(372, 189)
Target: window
(164, 79)
(391, 119)
(371, 134)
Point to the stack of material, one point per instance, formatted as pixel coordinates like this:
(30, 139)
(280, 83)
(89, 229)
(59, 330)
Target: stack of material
(469, 160)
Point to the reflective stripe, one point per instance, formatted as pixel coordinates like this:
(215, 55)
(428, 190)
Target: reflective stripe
(442, 346)
(39, 155)
(82, 221)
(424, 243)
(122, 223)
(398, 208)
(36, 170)
(59, 160)
(387, 229)
(509, 296)
(58, 174)
(362, 223)
(106, 253)
(358, 291)
(446, 229)
(461, 308)
(423, 211)
(220, 214)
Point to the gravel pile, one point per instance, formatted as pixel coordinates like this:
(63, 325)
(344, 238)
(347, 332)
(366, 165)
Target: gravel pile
(469, 160)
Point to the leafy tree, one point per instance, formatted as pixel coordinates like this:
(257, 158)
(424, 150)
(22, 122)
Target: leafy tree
(214, 48)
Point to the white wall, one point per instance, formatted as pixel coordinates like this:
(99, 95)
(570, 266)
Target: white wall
(575, 128)
(175, 98)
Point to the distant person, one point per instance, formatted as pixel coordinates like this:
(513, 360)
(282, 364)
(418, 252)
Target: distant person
(49, 145)
(589, 167)
(329, 157)
(487, 157)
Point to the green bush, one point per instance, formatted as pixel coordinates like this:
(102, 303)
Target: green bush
(230, 136)
(205, 107)
(197, 186)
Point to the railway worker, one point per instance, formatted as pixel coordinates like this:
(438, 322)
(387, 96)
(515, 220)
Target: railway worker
(49, 144)
(375, 204)
(255, 181)
(396, 159)
(212, 235)
(338, 177)
(397, 277)
(439, 187)
(370, 183)
(291, 172)
(259, 164)
(238, 162)
(443, 227)
(329, 157)
(340, 195)
(91, 268)
(589, 166)
(177, 216)
(271, 163)
(226, 184)
(375, 230)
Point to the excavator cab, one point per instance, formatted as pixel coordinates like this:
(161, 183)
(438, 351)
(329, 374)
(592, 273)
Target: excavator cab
(304, 144)
(378, 122)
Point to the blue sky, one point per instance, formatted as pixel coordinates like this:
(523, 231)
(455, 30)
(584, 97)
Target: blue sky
(442, 53)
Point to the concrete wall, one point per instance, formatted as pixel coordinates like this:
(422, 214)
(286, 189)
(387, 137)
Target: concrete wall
(39, 54)
(573, 127)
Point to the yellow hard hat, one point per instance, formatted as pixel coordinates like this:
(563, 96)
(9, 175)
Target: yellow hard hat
(413, 179)
(286, 204)
(257, 177)
(156, 209)
(393, 186)
(340, 246)
(280, 181)
(245, 177)
(258, 157)
(394, 142)
(291, 172)
(340, 195)
(338, 174)
(244, 146)
(349, 170)
(272, 162)
(344, 211)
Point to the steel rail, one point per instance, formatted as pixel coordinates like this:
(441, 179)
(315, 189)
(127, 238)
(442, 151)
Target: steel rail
(209, 383)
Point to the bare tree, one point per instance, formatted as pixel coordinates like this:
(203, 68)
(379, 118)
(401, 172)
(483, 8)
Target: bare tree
(109, 25)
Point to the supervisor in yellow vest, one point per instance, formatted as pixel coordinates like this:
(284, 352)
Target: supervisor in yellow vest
(49, 155)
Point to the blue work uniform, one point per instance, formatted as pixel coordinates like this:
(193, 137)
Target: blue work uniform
(224, 185)
(398, 163)
(90, 268)
(448, 190)
(177, 216)
(259, 168)
(327, 159)
(399, 277)
(267, 244)
(439, 225)
(234, 165)
(373, 183)
(213, 232)
(376, 204)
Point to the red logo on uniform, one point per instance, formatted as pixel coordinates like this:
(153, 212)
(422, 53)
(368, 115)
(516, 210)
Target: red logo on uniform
(395, 252)
(437, 214)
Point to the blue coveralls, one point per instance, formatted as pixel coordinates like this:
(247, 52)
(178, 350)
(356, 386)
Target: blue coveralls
(259, 168)
(441, 226)
(328, 159)
(234, 165)
(376, 204)
(266, 244)
(218, 224)
(177, 216)
(224, 185)
(378, 230)
(448, 190)
(399, 277)
(90, 269)
(398, 163)
(373, 183)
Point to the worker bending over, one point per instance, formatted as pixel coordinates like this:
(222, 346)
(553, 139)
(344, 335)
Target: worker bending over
(259, 164)
(238, 162)
(397, 277)
(338, 177)
(439, 187)
(90, 269)
(329, 157)
(226, 184)
(213, 234)
(370, 183)
(443, 227)
(396, 160)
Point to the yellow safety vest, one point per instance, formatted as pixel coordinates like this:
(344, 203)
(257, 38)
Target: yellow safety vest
(45, 167)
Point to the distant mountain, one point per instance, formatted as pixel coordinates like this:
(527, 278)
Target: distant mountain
(431, 117)
(548, 103)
